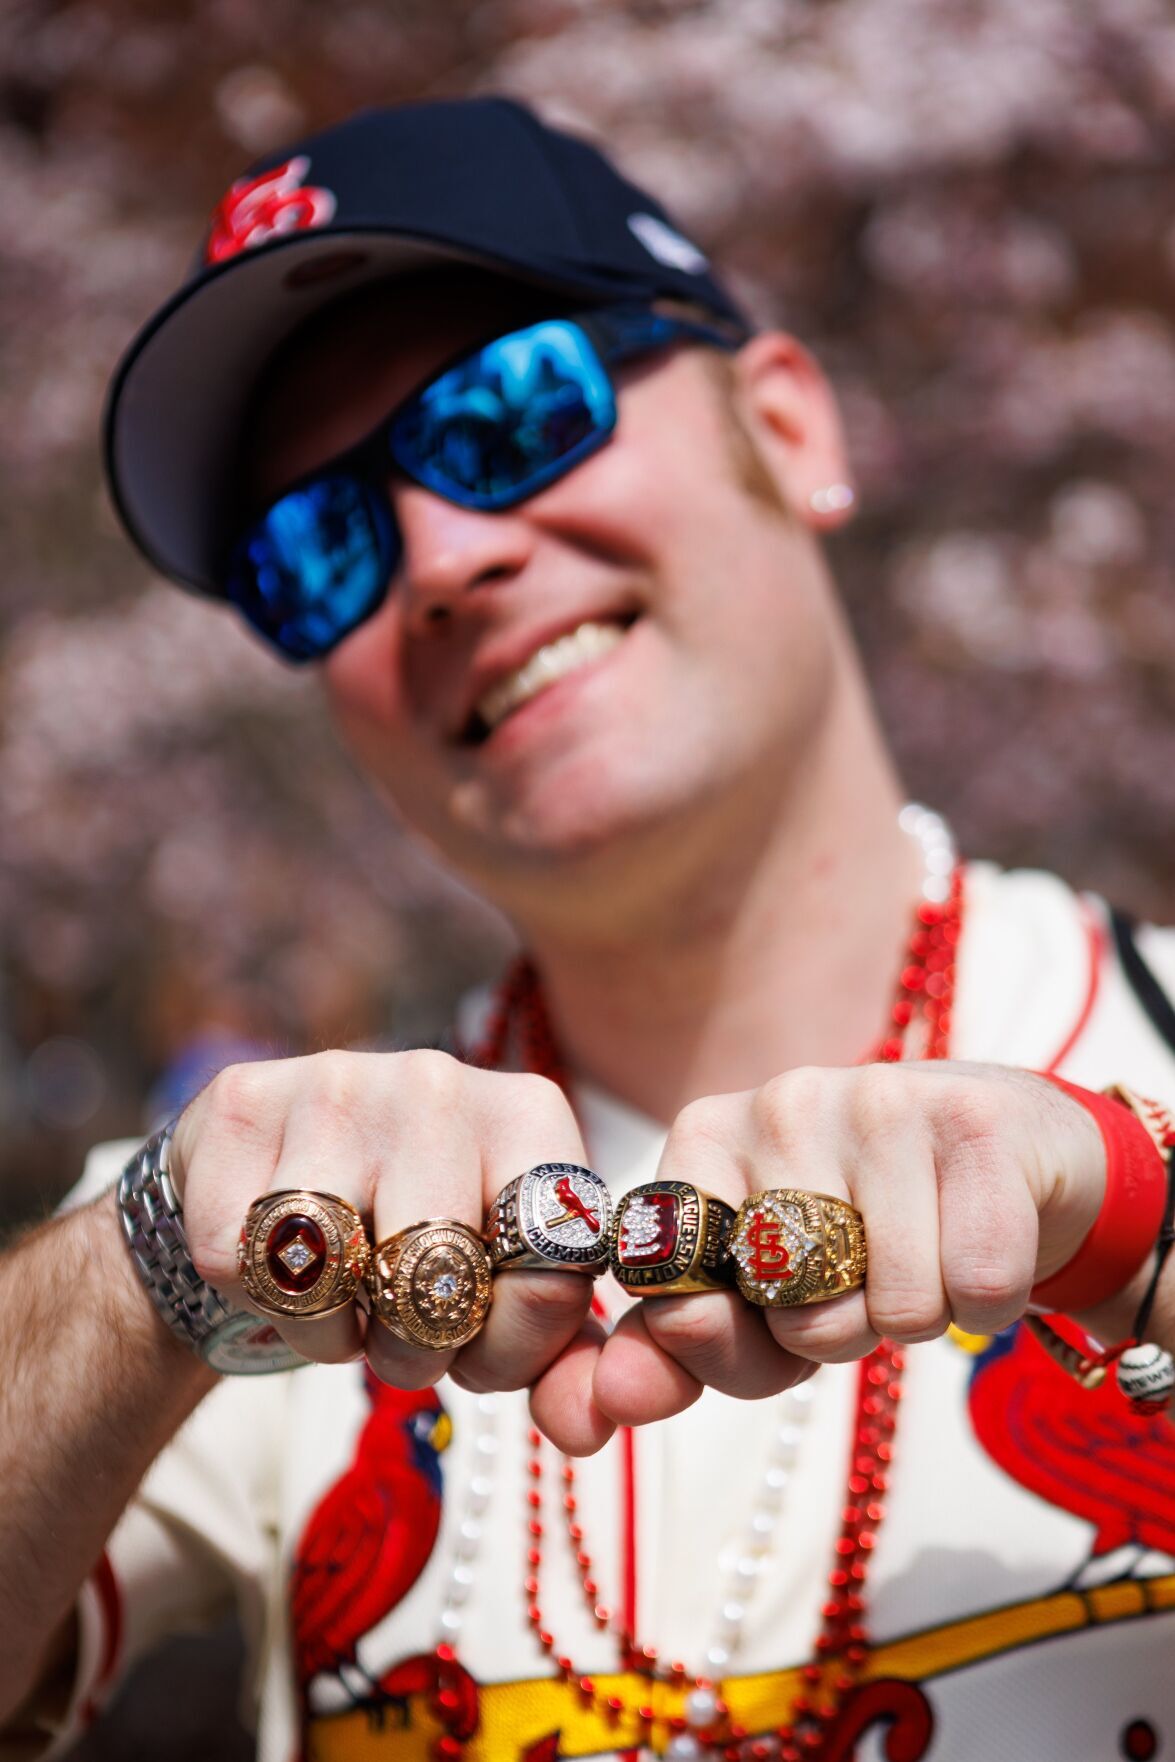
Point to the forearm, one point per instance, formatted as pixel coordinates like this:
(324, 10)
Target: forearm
(92, 1385)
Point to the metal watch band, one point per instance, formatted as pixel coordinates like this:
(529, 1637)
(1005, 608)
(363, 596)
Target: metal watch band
(233, 1341)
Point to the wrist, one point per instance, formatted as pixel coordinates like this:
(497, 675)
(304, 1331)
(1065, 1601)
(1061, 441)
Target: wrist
(1118, 1249)
(132, 1316)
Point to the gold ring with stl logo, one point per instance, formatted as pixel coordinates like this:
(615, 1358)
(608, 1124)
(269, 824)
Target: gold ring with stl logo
(790, 1247)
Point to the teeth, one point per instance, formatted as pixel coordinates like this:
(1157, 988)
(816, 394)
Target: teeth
(545, 666)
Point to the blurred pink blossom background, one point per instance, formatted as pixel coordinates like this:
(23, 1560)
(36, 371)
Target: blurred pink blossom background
(965, 208)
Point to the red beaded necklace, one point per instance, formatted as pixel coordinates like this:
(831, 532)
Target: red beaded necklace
(919, 1027)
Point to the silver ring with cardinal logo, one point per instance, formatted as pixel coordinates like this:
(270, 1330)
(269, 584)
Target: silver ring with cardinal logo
(431, 1285)
(302, 1253)
(557, 1217)
(790, 1247)
(671, 1239)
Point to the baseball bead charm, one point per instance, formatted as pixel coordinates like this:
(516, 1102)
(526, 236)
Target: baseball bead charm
(302, 1253)
(1146, 1376)
(430, 1284)
(671, 1238)
(557, 1217)
(790, 1247)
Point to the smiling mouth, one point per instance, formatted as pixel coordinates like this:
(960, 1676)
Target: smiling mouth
(588, 642)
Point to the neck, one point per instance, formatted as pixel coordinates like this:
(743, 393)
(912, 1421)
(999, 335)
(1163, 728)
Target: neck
(780, 951)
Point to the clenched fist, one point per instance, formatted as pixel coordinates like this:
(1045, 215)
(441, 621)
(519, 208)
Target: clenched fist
(975, 1181)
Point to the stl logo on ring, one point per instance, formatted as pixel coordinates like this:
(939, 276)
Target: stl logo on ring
(768, 1257)
(261, 208)
(649, 1230)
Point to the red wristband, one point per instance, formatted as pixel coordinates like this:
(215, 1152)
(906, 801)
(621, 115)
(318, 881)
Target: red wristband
(1128, 1224)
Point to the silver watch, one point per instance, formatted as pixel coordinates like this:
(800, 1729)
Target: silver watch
(232, 1341)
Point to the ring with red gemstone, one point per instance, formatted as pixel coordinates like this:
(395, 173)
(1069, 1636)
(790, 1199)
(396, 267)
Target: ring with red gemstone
(302, 1253)
(791, 1247)
(671, 1238)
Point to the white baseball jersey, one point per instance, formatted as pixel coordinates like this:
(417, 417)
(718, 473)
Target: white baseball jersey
(1022, 1592)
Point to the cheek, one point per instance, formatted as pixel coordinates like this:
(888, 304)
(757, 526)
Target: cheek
(364, 684)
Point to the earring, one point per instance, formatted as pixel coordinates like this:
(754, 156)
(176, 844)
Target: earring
(834, 498)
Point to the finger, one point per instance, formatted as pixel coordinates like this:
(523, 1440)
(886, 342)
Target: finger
(535, 1315)
(835, 1332)
(712, 1336)
(873, 1154)
(897, 1193)
(635, 1380)
(428, 1169)
(990, 1227)
(325, 1152)
(453, 1150)
(722, 1342)
(562, 1402)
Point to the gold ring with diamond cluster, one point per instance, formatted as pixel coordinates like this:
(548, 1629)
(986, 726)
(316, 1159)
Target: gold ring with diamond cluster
(302, 1254)
(789, 1248)
(669, 1239)
(430, 1285)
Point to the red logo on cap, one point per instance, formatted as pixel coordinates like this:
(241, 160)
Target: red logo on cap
(260, 208)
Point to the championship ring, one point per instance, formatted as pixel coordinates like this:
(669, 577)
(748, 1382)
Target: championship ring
(791, 1247)
(431, 1285)
(670, 1238)
(302, 1254)
(556, 1217)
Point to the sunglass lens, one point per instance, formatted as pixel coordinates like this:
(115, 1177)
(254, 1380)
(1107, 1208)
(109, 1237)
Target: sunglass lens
(314, 566)
(513, 417)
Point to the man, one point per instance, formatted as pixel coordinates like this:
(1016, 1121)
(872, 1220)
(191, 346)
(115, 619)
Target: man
(453, 412)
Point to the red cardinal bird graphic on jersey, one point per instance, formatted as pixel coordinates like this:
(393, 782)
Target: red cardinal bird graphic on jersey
(367, 1540)
(1081, 1449)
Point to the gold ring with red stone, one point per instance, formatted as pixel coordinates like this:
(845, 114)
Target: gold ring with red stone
(431, 1284)
(301, 1253)
(671, 1238)
(790, 1247)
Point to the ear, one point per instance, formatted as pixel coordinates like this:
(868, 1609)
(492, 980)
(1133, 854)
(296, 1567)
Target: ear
(790, 413)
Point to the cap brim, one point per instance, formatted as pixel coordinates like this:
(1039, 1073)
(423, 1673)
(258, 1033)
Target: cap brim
(180, 394)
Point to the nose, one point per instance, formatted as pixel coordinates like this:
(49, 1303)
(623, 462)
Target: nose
(451, 555)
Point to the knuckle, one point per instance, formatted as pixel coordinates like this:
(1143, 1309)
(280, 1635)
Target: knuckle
(791, 1102)
(972, 1117)
(332, 1083)
(685, 1328)
(984, 1288)
(550, 1302)
(538, 1096)
(430, 1077)
(469, 1374)
(827, 1332)
(702, 1123)
(236, 1093)
(909, 1316)
(402, 1368)
(882, 1103)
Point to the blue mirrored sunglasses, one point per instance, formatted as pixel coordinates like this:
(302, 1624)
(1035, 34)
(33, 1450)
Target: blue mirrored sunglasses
(493, 428)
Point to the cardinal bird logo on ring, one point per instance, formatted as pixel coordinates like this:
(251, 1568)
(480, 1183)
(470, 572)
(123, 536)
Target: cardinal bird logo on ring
(258, 209)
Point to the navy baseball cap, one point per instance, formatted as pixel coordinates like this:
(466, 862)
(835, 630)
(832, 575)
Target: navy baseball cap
(478, 181)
